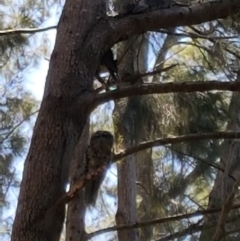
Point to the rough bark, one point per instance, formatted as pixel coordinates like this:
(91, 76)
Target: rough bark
(127, 209)
(75, 226)
(126, 213)
(144, 173)
(58, 127)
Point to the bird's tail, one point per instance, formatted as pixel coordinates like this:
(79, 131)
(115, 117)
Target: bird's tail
(92, 188)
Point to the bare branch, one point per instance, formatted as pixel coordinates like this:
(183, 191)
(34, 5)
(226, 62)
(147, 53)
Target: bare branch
(132, 78)
(25, 30)
(17, 125)
(203, 160)
(197, 227)
(159, 221)
(174, 140)
(194, 35)
(193, 228)
(182, 87)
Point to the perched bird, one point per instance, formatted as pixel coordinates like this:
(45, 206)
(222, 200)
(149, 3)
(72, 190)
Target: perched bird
(98, 153)
(107, 61)
(111, 64)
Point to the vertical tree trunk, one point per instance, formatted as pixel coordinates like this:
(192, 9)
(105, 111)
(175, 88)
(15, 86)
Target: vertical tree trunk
(144, 167)
(58, 126)
(127, 210)
(75, 223)
(144, 170)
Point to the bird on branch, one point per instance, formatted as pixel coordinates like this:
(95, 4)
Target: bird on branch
(110, 64)
(99, 153)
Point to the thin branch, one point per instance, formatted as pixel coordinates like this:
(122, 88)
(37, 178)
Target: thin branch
(193, 228)
(196, 227)
(235, 230)
(135, 77)
(159, 221)
(25, 30)
(143, 187)
(174, 140)
(182, 87)
(194, 35)
(206, 161)
(17, 125)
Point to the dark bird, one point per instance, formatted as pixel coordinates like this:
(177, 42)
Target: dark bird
(108, 63)
(99, 153)
(111, 64)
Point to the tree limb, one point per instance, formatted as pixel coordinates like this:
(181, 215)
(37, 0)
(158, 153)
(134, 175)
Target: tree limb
(147, 89)
(135, 77)
(177, 139)
(160, 220)
(25, 30)
(197, 227)
(121, 28)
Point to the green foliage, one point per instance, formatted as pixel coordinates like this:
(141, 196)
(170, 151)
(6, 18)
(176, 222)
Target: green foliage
(14, 113)
(16, 105)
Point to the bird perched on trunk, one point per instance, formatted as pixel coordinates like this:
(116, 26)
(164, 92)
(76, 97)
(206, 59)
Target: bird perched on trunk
(107, 61)
(99, 153)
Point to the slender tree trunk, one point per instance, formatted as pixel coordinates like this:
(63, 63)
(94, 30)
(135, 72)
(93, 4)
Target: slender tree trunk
(127, 210)
(144, 167)
(144, 170)
(75, 223)
(144, 164)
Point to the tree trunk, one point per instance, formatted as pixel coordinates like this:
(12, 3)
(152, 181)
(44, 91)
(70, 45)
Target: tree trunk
(144, 169)
(127, 211)
(75, 225)
(58, 126)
